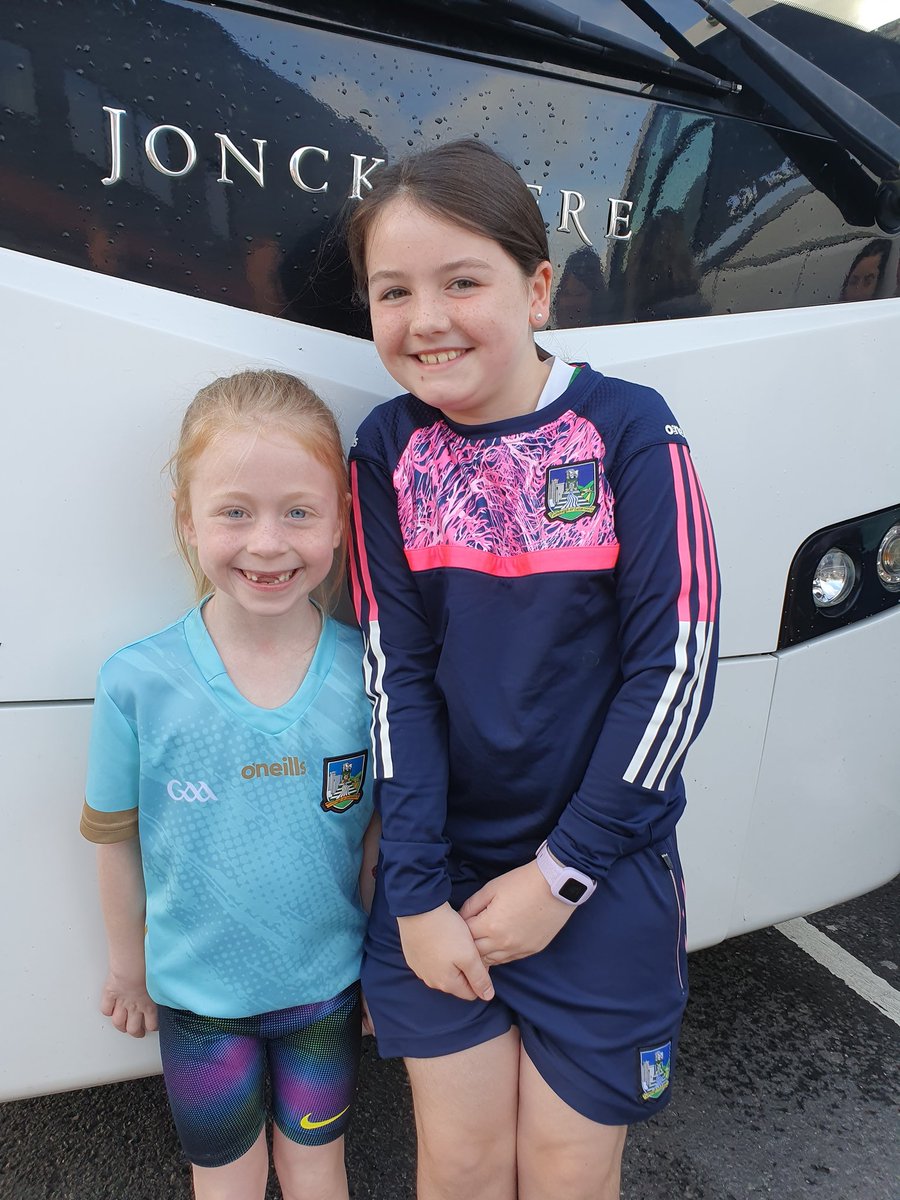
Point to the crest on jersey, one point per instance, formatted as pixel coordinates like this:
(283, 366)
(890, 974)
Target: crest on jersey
(342, 780)
(656, 1064)
(571, 491)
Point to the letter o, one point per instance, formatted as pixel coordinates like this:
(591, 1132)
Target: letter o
(150, 150)
(248, 772)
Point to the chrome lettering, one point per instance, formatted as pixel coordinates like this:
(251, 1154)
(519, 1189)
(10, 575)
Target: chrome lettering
(150, 150)
(228, 147)
(619, 220)
(294, 166)
(572, 205)
(115, 145)
(361, 177)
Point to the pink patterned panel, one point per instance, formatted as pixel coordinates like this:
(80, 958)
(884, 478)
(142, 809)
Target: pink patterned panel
(489, 494)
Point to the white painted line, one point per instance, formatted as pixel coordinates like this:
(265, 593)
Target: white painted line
(855, 974)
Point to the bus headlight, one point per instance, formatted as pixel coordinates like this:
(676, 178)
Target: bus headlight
(835, 576)
(887, 561)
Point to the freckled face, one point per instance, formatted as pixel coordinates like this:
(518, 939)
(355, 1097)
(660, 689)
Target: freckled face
(264, 520)
(453, 315)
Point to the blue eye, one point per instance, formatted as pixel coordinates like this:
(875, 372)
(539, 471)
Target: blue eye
(235, 513)
(297, 514)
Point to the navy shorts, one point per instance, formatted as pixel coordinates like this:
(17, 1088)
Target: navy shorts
(598, 1010)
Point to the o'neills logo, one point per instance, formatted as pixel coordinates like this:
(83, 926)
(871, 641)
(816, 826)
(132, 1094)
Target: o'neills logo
(290, 765)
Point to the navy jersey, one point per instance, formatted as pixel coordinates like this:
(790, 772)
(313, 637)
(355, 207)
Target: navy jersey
(538, 598)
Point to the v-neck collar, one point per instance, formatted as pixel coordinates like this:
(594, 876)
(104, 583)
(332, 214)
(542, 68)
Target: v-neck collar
(266, 720)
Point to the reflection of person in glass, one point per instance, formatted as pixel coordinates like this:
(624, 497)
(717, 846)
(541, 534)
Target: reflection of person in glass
(581, 294)
(866, 271)
(664, 279)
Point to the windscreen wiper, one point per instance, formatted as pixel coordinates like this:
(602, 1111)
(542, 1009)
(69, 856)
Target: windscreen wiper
(552, 21)
(667, 33)
(856, 125)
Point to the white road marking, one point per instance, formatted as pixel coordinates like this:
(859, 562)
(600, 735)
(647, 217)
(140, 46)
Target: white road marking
(855, 974)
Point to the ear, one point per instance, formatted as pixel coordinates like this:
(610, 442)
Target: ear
(189, 533)
(338, 533)
(540, 286)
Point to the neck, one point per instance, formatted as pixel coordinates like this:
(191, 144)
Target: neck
(232, 627)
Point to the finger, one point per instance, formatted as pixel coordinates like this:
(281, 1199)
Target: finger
(151, 1019)
(476, 903)
(134, 1025)
(107, 1004)
(119, 1016)
(477, 976)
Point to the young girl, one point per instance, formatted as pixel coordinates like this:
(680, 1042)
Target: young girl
(534, 572)
(228, 793)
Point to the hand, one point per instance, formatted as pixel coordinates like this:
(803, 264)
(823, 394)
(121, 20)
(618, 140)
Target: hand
(439, 948)
(127, 1003)
(368, 1025)
(514, 915)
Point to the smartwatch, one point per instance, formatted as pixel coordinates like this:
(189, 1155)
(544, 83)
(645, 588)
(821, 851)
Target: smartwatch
(567, 884)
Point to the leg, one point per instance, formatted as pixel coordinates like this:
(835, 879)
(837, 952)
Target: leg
(310, 1172)
(561, 1152)
(313, 1056)
(465, 1105)
(214, 1074)
(243, 1179)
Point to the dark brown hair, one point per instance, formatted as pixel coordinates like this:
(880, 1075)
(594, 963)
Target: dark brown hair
(464, 182)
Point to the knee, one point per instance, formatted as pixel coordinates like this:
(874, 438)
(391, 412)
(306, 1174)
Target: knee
(548, 1168)
(310, 1172)
(467, 1170)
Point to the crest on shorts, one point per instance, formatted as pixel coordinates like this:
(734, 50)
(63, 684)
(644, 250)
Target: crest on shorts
(571, 491)
(656, 1064)
(342, 780)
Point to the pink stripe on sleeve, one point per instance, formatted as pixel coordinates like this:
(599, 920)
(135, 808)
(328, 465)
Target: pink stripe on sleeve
(700, 532)
(684, 550)
(364, 585)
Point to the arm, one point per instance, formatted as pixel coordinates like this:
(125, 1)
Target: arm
(369, 864)
(631, 795)
(123, 901)
(409, 742)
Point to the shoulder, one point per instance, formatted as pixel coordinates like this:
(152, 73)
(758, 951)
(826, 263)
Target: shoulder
(385, 432)
(630, 416)
(132, 662)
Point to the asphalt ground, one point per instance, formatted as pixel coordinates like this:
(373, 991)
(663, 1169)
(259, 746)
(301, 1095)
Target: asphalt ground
(787, 1088)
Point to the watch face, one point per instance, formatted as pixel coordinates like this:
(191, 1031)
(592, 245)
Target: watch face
(572, 890)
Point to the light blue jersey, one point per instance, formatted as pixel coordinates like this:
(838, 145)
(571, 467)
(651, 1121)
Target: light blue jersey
(251, 820)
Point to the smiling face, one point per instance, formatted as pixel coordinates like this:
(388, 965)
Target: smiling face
(264, 521)
(453, 315)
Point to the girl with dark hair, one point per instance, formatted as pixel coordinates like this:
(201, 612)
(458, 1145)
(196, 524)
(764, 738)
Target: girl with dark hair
(534, 573)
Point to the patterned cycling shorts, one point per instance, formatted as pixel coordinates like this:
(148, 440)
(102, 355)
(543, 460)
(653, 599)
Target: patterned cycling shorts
(215, 1071)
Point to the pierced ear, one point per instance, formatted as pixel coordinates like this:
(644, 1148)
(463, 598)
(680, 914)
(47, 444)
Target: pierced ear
(541, 285)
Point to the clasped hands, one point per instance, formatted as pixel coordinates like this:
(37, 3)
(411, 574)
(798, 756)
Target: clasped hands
(511, 917)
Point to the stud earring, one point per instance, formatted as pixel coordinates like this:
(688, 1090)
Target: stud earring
(539, 316)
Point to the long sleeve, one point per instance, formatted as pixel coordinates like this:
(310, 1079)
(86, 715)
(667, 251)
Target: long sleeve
(667, 593)
(409, 723)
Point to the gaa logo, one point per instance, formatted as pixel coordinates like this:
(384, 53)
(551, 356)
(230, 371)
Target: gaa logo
(190, 793)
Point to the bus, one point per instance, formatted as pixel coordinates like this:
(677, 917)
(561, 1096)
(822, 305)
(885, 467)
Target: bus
(720, 185)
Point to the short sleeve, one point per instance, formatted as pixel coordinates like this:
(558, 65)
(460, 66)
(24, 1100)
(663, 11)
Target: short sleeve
(111, 791)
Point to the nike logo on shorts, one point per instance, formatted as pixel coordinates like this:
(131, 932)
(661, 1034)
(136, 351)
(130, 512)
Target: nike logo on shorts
(307, 1122)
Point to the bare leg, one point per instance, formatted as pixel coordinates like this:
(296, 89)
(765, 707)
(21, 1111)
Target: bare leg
(244, 1179)
(560, 1152)
(310, 1172)
(465, 1106)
